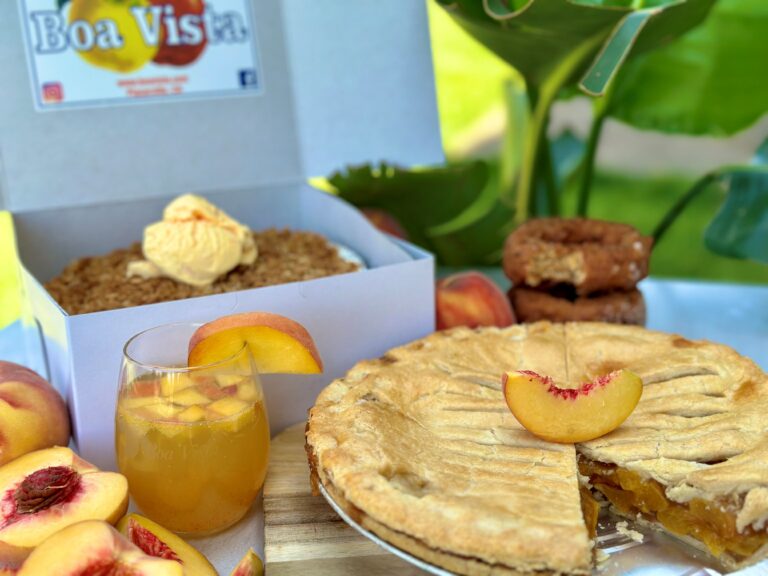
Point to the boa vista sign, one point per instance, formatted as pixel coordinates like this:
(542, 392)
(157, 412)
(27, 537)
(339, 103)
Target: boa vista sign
(111, 52)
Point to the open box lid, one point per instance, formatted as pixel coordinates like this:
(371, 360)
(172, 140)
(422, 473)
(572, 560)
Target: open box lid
(284, 89)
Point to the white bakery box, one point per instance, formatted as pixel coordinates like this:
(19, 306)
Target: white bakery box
(326, 84)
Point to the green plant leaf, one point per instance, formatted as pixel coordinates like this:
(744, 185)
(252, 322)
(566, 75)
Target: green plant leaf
(713, 80)
(419, 199)
(740, 228)
(535, 36)
(60, 4)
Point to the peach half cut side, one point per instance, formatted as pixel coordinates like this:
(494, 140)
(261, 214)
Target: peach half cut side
(154, 540)
(93, 547)
(45, 491)
(250, 565)
(571, 414)
(278, 344)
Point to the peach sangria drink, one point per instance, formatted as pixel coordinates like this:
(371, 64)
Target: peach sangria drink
(192, 441)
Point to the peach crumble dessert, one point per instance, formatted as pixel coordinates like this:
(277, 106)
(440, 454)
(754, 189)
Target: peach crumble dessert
(420, 447)
(195, 250)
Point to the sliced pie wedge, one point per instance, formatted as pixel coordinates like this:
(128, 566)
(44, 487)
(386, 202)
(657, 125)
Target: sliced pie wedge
(421, 449)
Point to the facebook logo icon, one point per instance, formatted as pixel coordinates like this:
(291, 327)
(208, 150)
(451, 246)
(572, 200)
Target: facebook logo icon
(248, 78)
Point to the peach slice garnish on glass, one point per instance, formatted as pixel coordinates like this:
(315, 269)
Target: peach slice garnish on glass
(571, 414)
(250, 565)
(154, 540)
(45, 491)
(94, 547)
(278, 344)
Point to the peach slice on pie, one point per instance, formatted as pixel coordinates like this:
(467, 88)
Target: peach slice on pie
(45, 491)
(94, 547)
(154, 540)
(278, 344)
(571, 415)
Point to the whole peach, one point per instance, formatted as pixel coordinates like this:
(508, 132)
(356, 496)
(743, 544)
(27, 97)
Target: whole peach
(32, 414)
(471, 299)
(385, 222)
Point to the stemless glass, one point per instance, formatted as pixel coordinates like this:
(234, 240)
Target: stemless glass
(192, 441)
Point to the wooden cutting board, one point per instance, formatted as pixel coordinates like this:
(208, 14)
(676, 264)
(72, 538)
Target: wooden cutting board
(302, 534)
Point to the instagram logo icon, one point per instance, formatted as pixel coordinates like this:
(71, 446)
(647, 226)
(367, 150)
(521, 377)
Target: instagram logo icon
(53, 92)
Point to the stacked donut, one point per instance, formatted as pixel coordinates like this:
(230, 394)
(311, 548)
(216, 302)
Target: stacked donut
(575, 269)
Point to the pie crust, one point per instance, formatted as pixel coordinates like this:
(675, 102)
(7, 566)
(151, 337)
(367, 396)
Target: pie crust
(420, 448)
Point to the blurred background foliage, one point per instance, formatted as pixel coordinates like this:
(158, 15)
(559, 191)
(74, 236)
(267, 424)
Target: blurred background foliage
(707, 83)
(639, 177)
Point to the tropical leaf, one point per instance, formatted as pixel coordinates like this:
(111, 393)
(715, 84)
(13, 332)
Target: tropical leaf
(711, 81)
(419, 199)
(541, 37)
(740, 228)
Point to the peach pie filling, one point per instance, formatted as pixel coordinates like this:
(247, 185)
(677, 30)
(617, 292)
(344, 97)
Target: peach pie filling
(713, 523)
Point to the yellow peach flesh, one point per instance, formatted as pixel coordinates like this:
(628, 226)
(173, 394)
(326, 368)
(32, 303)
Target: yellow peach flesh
(277, 344)
(95, 495)
(571, 414)
(155, 540)
(94, 547)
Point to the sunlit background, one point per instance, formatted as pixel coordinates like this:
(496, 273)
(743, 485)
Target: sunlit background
(640, 177)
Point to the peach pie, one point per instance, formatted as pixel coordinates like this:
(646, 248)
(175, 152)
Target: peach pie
(420, 448)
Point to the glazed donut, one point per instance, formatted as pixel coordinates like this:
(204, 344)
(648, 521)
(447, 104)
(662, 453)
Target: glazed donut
(619, 307)
(590, 255)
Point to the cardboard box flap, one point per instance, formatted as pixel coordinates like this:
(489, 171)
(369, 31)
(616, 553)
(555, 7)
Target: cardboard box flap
(338, 83)
(368, 94)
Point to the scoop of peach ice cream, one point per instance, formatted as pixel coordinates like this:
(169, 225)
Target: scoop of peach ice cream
(195, 243)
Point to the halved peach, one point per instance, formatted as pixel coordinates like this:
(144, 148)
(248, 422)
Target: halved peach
(278, 344)
(45, 491)
(157, 541)
(250, 565)
(92, 548)
(571, 414)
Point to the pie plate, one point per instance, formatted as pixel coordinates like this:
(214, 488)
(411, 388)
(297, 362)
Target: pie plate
(626, 549)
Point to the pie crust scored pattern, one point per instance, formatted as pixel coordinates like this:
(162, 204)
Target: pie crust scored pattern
(419, 447)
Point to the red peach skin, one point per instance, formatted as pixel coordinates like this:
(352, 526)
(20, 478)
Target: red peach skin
(471, 299)
(32, 414)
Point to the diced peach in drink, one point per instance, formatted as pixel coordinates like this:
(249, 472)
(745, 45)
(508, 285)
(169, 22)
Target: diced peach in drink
(225, 380)
(191, 414)
(144, 387)
(138, 402)
(247, 392)
(174, 383)
(228, 406)
(161, 410)
(189, 397)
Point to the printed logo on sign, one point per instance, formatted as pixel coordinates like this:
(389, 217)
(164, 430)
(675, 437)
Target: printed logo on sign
(53, 92)
(248, 78)
(110, 52)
